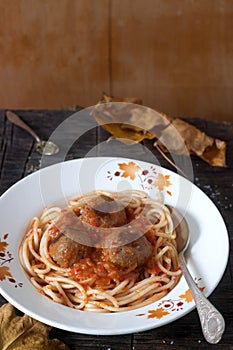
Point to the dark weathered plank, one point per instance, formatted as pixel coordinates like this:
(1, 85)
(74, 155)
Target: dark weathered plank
(78, 341)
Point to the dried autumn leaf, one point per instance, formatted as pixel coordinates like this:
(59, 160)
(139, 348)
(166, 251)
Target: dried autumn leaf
(213, 151)
(17, 333)
(106, 98)
(127, 121)
(133, 123)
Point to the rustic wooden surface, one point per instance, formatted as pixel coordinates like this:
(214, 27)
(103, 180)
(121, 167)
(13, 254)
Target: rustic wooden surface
(18, 158)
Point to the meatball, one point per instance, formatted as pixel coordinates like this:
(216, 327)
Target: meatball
(104, 211)
(66, 252)
(69, 242)
(134, 254)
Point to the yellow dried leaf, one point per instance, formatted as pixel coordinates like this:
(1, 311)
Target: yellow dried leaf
(17, 333)
(129, 122)
(125, 133)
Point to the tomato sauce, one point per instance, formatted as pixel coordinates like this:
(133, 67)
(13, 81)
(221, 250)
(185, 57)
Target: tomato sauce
(103, 273)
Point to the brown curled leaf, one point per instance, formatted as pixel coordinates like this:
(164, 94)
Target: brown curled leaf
(127, 120)
(23, 332)
(132, 123)
(106, 98)
(211, 150)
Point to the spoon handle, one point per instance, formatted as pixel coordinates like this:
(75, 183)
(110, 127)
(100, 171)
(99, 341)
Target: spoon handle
(14, 118)
(212, 322)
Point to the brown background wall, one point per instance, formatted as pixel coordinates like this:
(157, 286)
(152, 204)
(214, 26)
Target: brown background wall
(177, 55)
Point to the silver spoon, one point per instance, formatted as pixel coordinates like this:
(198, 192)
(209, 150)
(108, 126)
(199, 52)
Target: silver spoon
(47, 148)
(212, 322)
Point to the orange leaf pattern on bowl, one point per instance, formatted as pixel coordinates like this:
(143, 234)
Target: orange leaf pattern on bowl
(3, 246)
(4, 272)
(129, 169)
(167, 306)
(158, 313)
(146, 178)
(162, 181)
(187, 296)
(6, 258)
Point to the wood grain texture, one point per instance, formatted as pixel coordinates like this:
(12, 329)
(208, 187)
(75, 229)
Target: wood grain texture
(53, 53)
(18, 158)
(176, 54)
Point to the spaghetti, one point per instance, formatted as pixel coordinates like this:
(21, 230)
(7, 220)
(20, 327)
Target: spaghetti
(106, 252)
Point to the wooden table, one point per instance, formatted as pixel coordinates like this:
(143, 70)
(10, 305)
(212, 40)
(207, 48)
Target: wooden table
(18, 158)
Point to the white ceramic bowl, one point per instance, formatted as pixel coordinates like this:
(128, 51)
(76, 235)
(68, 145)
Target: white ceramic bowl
(206, 257)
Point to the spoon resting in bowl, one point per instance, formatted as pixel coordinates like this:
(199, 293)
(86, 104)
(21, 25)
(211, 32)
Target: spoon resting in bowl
(212, 322)
(47, 148)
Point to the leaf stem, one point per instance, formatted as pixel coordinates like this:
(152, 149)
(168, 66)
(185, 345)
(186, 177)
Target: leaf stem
(168, 159)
